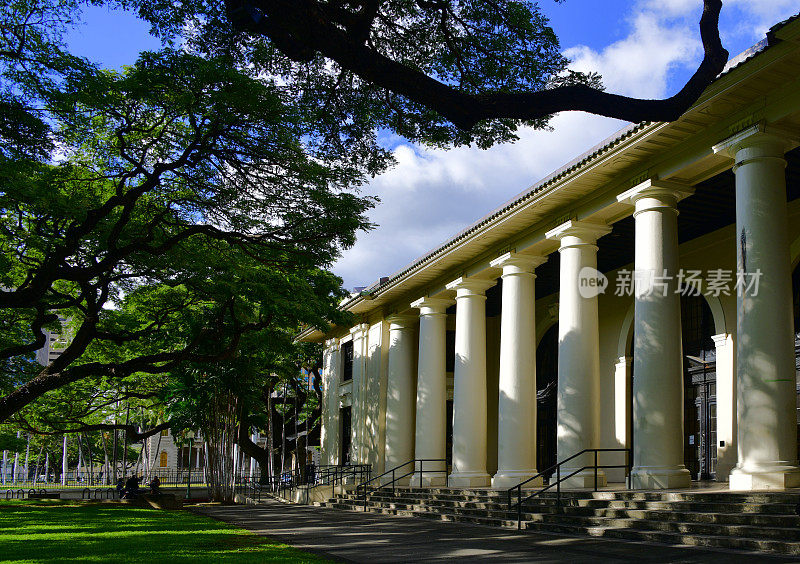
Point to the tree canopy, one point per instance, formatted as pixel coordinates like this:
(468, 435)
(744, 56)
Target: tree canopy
(157, 215)
(438, 71)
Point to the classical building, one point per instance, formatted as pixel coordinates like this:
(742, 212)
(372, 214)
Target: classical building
(643, 296)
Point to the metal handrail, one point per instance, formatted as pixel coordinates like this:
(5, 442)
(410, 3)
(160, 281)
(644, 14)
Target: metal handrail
(557, 484)
(395, 478)
(333, 474)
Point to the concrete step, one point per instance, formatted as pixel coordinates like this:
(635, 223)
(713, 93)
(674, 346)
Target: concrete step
(758, 522)
(784, 528)
(537, 505)
(621, 529)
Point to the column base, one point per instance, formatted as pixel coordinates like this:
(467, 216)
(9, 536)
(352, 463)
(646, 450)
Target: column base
(777, 477)
(400, 482)
(468, 480)
(660, 478)
(505, 479)
(427, 480)
(583, 479)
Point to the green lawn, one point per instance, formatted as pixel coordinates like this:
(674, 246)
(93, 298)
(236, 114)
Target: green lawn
(58, 531)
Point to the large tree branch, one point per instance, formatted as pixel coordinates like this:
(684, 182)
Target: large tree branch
(299, 28)
(251, 449)
(134, 434)
(158, 363)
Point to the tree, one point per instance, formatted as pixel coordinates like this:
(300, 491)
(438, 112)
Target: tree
(230, 398)
(156, 216)
(435, 70)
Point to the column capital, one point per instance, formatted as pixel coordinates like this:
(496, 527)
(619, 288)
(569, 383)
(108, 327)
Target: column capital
(515, 263)
(432, 306)
(573, 233)
(402, 320)
(772, 141)
(470, 286)
(331, 343)
(720, 340)
(658, 193)
(359, 330)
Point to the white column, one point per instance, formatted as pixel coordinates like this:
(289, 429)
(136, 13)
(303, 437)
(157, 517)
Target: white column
(765, 370)
(331, 378)
(516, 440)
(469, 384)
(358, 411)
(431, 418)
(657, 353)
(578, 409)
(401, 392)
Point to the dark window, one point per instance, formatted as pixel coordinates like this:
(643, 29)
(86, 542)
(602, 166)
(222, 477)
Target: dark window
(347, 353)
(345, 421)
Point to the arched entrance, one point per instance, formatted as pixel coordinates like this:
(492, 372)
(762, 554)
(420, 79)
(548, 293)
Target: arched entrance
(700, 388)
(546, 398)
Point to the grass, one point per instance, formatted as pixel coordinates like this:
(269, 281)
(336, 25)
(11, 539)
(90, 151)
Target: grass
(59, 531)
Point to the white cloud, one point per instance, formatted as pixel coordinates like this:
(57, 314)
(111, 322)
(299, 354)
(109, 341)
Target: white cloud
(433, 194)
(755, 17)
(639, 65)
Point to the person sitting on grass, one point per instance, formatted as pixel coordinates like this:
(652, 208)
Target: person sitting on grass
(154, 485)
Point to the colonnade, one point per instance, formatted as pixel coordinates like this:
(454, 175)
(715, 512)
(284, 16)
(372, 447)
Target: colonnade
(765, 372)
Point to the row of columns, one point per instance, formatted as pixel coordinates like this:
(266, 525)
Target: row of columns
(766, 396)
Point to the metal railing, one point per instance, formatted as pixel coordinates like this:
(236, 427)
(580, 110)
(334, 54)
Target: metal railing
(559, 478)
(332, 474)
(169, 477)
(396, 478)
(309, 476)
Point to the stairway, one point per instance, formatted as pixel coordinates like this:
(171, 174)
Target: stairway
(763, 522)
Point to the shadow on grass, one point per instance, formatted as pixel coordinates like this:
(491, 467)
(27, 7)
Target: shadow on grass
(50, 531)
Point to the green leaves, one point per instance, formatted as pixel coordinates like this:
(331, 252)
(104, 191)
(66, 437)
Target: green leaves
(340, 62)
(168, 213)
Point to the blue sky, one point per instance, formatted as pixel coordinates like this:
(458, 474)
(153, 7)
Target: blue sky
(644, 48)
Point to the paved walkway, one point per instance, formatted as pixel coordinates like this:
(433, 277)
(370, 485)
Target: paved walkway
(358, 537)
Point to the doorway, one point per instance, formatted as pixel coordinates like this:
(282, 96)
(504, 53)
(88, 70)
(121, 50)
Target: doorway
(700, 388)
(345, 416)
(546, 400)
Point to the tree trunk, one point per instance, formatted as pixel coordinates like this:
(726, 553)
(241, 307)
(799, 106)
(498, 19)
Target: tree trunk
(270, 439)
(80, 470)
(36, 470)
(91, 461)
(283, 431)
(26, 475)
(15, 469)
(114, 455)
(255, 452)
(125, 443)
(106, 468)
(64, 464)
